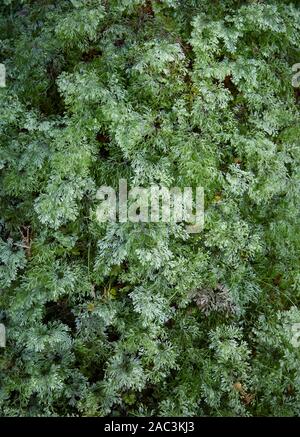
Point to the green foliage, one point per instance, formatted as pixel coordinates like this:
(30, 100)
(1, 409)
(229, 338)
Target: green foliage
(144, 319)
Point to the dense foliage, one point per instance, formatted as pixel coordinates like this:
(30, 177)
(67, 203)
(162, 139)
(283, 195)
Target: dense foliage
(144, 319)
